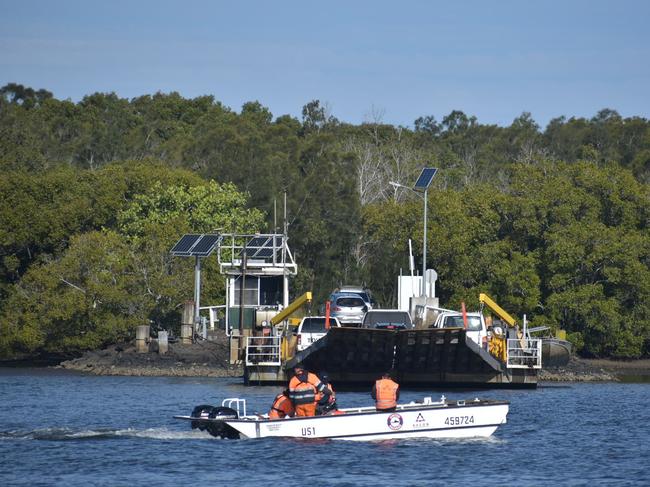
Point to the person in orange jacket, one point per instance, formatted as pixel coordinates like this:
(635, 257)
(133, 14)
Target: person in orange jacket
(282, 406)
(385, 392)
(303, 388)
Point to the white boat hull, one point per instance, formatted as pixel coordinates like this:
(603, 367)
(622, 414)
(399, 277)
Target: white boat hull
(432, 420)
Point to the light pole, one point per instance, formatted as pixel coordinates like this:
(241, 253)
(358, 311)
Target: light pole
(422, 186)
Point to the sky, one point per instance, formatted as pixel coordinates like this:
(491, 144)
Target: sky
(392, 61)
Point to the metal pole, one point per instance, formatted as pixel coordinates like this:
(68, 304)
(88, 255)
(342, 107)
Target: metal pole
(197, 293)
(242, 288)
(285, 237)
(424, 246)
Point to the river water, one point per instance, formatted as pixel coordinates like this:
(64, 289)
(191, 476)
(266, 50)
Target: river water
(62, 428)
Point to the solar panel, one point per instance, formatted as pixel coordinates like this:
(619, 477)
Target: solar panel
(185, 244)
(425, 178)
(205, 245)
(262, 247)
(264, 252)
(256, 242)
(193, 244)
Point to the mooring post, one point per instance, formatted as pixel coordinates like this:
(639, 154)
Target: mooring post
(142, 338)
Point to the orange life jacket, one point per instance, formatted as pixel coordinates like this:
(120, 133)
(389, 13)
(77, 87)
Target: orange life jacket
(305, 392)
(386, 394)
(282, 407)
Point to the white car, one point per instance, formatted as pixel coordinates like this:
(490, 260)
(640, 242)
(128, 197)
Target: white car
(311, 329)
(476, 328)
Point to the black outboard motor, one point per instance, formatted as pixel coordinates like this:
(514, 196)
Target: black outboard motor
(220, 428)
(202, 411)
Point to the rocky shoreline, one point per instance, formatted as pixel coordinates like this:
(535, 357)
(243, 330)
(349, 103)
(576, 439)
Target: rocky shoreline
(211, 359)
(595, 370)
(203, 359)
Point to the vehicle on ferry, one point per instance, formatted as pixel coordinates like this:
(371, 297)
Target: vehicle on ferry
(362, 292)
(348, 308)
(311, 329)
(387, 319)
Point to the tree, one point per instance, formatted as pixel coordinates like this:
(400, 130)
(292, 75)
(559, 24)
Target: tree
(106, 283)
(24, 96)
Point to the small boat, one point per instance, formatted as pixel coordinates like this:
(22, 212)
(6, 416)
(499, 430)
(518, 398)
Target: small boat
(421, 419)
(555, 352)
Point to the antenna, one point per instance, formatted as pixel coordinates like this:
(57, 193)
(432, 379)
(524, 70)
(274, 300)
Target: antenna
(285, 214)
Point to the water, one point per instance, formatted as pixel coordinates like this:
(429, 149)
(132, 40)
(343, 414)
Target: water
(59, 428)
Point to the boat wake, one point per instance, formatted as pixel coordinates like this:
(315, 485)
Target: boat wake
(68, 434)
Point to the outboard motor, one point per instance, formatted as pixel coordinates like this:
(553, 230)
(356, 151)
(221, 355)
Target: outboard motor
(202, 411)
(220, 428)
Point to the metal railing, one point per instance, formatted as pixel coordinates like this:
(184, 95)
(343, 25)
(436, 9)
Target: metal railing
(263, 350)
(524, 353)
(269, 250)
(237, 404)
(215, 314)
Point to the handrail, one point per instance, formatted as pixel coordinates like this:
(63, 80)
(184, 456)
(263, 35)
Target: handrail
(228, 402)
(524, 353)
(212, 313)
(263, 350)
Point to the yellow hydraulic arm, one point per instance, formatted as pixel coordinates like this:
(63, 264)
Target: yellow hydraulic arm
(500, 312)
(292, 308)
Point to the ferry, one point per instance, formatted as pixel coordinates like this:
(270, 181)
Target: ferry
(473, 418)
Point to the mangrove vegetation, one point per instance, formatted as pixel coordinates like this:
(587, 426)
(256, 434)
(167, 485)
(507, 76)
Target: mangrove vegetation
(552, 222)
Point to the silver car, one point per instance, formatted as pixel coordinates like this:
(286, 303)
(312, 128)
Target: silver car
(360, 291)
(364, 293)
(348, 308)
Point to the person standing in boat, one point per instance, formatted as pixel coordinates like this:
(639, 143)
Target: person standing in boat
(282, 406)
(303, 388)
(385, 392)
(326, 403)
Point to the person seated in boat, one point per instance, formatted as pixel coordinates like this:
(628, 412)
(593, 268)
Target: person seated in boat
(385, 392)
(303, 388)
(282, 406)
(326, 403)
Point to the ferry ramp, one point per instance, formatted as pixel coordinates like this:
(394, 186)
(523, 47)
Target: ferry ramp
(419, 358)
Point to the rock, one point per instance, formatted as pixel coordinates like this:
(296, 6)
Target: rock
(209, 358)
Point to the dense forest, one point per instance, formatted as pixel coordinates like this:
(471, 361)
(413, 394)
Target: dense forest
(552, 222)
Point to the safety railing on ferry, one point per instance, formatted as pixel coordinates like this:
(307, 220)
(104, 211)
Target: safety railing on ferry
(524, 353)
(263, 350)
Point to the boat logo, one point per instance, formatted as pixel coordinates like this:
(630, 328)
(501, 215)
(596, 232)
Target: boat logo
(420, 422)
(395, 421)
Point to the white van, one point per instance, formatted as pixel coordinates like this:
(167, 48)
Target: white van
(311, 329)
